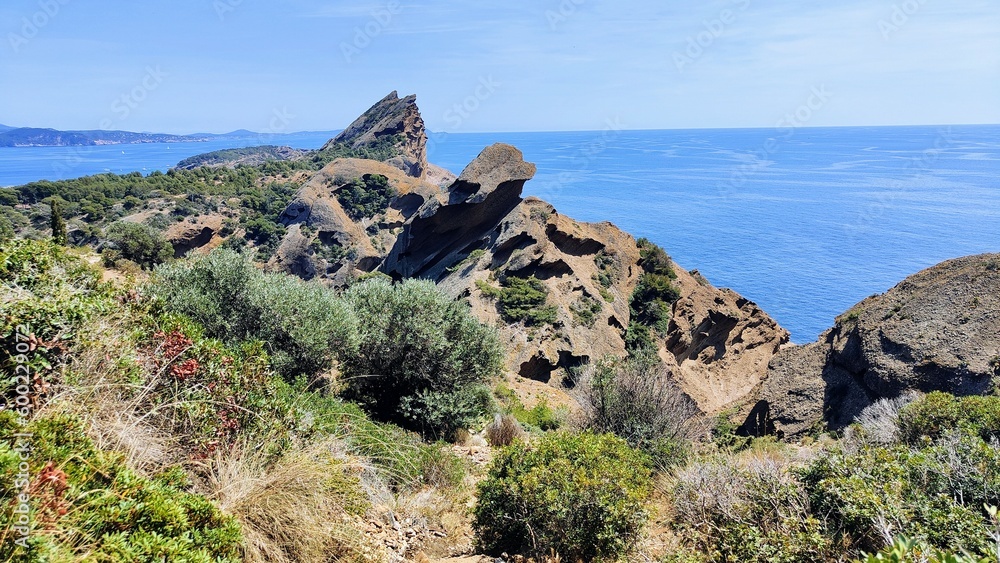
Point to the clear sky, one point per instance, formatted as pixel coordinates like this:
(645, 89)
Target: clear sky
(185, 66)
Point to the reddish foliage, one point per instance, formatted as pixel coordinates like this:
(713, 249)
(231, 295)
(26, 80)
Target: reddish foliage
(174, 344)
(50, 489)
(185, 369)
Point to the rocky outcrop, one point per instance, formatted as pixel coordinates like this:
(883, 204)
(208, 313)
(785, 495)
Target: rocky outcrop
(250, 156)
(395, 119)
(478, 232)
(938, 330)
(450, 221)
(195, 233)
(475, 233)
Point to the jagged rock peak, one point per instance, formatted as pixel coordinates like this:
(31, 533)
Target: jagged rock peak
(390, 117)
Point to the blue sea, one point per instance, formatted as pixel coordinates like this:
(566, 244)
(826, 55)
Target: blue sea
(805, 222)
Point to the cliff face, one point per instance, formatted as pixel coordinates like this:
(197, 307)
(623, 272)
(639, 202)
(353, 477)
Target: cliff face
(938, 330)
(394, 119)
(474, 233)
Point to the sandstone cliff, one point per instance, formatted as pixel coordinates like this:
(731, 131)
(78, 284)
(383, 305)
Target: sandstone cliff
(475, 234)
(938, 330)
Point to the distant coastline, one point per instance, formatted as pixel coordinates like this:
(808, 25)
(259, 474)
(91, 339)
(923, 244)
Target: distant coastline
(27, 137)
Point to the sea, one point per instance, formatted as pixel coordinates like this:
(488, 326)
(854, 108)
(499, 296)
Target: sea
(805, 222)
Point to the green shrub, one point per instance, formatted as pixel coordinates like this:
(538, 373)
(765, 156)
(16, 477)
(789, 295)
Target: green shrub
(580, 495)
(139, 243)
(522, 300)
(422, 359)
(655, 294)
(936, 413)
(541, 416)
(46, 294)
(85, 504)
(302, 324)
(934, 494)
(904, 550)
(366, 196)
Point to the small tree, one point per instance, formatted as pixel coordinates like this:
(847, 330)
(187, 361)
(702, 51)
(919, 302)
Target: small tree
(139, 243)
(59, 235)
(422, 358)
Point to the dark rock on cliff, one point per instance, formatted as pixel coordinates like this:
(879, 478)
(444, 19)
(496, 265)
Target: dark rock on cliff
(391, 118)
(938, 330)
(488, 189)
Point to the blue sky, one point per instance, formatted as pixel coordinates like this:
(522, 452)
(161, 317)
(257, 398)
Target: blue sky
(184, 66)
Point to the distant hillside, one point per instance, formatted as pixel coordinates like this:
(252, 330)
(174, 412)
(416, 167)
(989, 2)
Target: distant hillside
(35, 137)
(5, 128)
(253, 156)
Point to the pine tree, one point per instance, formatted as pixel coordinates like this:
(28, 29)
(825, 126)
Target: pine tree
(58, 224)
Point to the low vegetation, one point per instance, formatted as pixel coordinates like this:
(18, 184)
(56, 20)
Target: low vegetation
(210, 411)
(581, 496)
(366, 196)
(522, 300)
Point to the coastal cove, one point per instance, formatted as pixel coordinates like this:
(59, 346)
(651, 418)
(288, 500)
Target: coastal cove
(804, 222)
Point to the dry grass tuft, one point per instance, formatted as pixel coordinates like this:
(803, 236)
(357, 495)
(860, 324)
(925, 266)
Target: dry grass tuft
(302, 508)
(503, 431)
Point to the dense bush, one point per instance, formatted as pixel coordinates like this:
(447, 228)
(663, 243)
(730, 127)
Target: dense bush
(422, 359)
(937, 412)
(934, 494)
(754, 511)
(655, 293)
(139, 243)
(366, 196)
(85, 504)
(46, 293)
(636, 400)
(580, 495)
(522, 300)
(302, 324)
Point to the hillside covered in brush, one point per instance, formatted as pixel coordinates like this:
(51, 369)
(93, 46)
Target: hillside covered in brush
(353, 354)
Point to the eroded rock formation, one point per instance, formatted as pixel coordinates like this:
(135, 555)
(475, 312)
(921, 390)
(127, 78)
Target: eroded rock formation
(474, 233)
(938, 330)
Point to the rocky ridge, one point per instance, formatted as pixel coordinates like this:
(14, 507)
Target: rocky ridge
(938, 330)
(475, 233)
